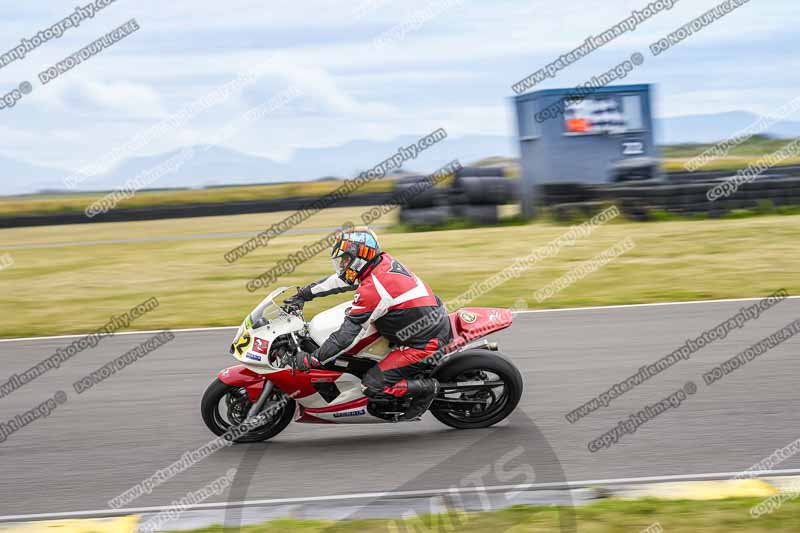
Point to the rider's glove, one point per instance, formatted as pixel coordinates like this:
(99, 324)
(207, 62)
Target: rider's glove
(306, 361)
(295, 302)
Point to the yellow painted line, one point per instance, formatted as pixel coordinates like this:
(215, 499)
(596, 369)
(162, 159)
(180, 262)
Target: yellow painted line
(122, 524)
(706, 490)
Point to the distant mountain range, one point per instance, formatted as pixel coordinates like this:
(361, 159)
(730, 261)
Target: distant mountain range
(712, 128)
(214, 165)
(20, 177)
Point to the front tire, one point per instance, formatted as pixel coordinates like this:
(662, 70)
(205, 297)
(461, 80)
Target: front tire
(472, 365)
(224, 406)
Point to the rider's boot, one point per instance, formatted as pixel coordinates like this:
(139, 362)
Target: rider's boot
(422, 392)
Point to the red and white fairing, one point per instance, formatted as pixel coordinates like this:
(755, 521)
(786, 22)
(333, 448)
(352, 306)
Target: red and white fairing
(254, 339)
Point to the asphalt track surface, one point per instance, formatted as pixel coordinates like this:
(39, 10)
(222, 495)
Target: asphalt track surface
(100, 443)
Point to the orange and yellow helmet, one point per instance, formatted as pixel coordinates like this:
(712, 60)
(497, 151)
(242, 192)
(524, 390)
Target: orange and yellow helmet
(353, 251)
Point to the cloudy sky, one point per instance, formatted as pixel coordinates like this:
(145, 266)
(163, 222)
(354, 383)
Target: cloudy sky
(443, 63)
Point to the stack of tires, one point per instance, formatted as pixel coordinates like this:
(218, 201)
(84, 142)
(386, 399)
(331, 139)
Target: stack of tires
(475, 195)
(426, 208)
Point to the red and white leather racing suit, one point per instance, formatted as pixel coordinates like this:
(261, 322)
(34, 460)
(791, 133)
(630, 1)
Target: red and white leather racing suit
(402, 308)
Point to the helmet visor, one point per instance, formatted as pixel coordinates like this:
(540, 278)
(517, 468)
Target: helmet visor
(341, 263)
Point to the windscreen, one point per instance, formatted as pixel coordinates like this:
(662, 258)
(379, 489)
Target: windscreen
(268, 309)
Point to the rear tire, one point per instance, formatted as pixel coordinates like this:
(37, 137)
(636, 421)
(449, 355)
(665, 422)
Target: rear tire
(219, 423)
(479, 360)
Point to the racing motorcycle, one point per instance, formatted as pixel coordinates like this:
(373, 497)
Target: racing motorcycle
(478, 386)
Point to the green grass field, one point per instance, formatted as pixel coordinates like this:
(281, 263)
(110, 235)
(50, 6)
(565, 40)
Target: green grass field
(74, 289)
(70, 203)
(756, 145)
(750, 151)
(608, 516)
(677, 164)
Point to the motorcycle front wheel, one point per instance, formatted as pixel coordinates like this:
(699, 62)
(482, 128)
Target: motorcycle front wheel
(224, 406)
(477, 406)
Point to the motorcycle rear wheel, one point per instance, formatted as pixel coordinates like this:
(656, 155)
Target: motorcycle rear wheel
(502, 399)
(237, 404)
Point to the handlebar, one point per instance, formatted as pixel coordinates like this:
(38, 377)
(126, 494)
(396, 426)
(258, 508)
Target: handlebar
(289, 360)
(293, 310)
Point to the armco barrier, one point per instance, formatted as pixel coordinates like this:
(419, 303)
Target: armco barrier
(190, 210)
(479, 172)
(637, 200)
(707, 175)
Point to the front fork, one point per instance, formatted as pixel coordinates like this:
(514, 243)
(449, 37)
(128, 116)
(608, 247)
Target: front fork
(262, 399)
(239, 376)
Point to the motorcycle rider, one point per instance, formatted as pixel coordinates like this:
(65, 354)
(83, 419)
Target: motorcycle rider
(390, 298)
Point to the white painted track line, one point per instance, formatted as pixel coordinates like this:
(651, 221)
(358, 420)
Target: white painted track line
(657, 304)
(400, 494)
(144, 332)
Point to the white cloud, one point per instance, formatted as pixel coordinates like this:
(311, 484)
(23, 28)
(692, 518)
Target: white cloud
(453, 71)
(118, 98)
